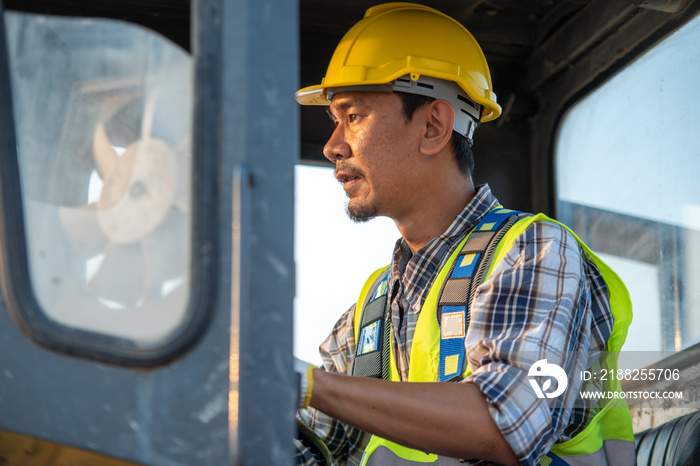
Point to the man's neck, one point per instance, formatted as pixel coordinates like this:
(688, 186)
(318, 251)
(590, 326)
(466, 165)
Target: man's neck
(435, 214)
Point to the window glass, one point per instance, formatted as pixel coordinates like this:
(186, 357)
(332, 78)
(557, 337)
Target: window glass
(627, 162)
(103, 113)
(334, 257)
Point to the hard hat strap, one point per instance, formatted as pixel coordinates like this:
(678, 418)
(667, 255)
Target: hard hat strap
(467, 113)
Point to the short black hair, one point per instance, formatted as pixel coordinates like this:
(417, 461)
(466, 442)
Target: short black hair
(460, 144)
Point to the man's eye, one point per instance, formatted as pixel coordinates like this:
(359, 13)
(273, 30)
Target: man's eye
(353, 117)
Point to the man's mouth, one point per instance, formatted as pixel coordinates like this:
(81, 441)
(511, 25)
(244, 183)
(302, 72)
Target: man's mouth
(345, 178)
(345, 174)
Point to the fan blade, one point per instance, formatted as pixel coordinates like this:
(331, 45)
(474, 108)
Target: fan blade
(183, 165)
(104, 153)
(119, 280)
(56, 258)
(166, 252)
(148, 114)
(62, 254)
(82, 229)
(183, 196)
(138, 193)
(162, 314)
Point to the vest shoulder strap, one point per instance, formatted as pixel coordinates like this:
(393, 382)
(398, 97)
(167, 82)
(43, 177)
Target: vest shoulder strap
(466, 273)
(372, 338)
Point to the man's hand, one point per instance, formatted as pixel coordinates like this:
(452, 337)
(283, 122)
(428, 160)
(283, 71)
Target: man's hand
(304, 371)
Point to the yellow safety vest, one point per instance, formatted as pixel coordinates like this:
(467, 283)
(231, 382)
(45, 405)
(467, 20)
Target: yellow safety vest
(608, 439)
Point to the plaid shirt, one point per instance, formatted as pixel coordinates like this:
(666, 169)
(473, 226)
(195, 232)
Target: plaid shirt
(543, 300)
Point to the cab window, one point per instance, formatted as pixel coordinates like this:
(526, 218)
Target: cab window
(103, 124)
(627, 159)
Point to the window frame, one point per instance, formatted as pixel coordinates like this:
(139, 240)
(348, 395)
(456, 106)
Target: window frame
(15, 279)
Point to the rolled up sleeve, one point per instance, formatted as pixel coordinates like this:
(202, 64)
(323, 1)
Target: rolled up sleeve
(534, 306)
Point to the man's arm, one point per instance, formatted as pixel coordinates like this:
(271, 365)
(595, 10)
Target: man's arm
(448, 419)
(345, 442)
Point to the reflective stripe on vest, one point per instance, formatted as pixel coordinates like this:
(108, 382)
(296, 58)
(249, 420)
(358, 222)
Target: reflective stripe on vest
(607, 440)
(384, 455)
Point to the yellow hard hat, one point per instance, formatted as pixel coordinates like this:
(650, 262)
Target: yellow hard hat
(395, 40)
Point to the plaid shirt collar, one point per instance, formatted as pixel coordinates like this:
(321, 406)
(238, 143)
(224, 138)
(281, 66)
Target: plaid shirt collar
(416, 272)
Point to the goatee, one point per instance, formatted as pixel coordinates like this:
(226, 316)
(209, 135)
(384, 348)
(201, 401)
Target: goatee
(361, 214)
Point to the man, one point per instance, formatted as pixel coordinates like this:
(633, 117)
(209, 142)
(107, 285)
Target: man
(425, 367)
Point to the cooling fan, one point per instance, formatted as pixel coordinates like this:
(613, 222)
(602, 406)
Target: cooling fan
(134, 236)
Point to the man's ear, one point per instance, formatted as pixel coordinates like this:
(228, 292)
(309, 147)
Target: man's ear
(439, 118)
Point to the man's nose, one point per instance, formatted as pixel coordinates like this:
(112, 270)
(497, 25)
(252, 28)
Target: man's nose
(336, 148)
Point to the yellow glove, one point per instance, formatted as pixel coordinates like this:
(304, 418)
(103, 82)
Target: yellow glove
(306, 381)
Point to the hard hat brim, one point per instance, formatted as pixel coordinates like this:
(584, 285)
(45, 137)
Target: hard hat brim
(312, 95)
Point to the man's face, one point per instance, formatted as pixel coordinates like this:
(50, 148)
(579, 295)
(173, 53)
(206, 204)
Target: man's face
(375, 153)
